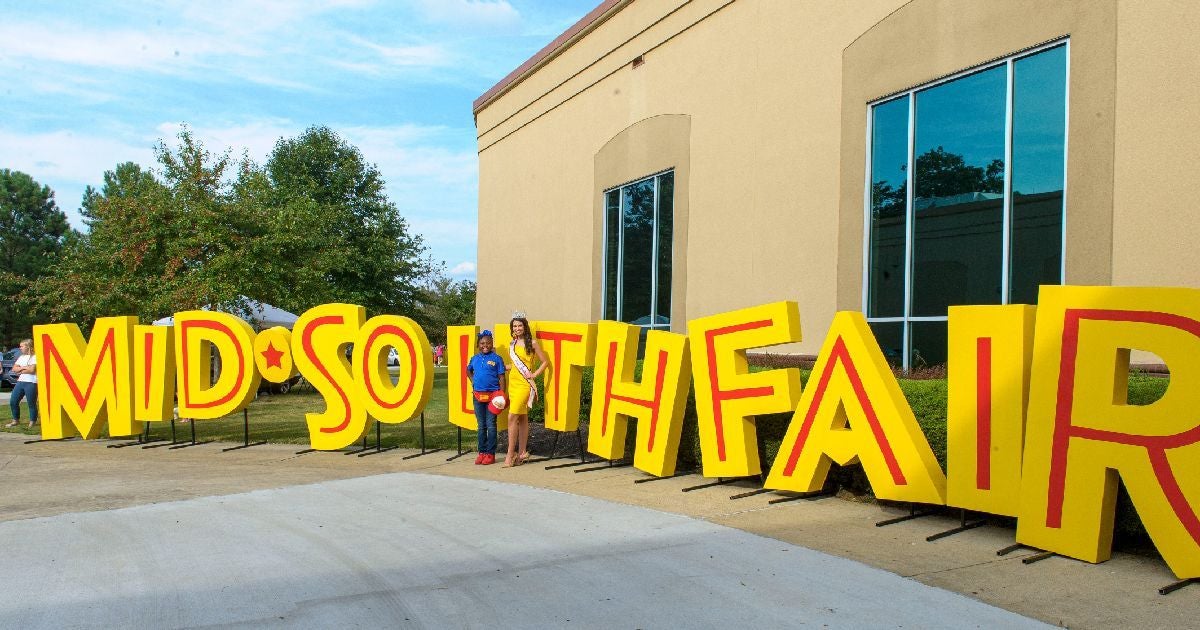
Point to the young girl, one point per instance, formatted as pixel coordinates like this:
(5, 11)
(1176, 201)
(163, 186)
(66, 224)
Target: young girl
(522, 392)
(486, 370)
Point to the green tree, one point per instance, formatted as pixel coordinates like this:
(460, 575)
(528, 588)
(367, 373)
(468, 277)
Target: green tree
(309, 227)
(944, 174)
(445, 302)
(32, 232)
(155, 244)
(336, 234)
(939, 173)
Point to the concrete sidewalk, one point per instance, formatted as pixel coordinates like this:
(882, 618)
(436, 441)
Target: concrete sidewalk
(412, 550)
(66, 478)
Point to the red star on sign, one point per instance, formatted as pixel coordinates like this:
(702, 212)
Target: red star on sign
(272, 356)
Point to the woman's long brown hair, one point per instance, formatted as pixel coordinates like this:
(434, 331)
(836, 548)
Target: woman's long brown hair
(528, 333)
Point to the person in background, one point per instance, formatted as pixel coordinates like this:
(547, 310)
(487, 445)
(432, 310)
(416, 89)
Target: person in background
(529, 361)
(486, 371)
(26, 387)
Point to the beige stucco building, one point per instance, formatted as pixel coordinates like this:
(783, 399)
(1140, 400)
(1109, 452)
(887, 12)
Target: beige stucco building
(664, 160)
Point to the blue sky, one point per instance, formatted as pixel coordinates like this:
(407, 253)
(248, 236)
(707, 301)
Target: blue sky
(93, 84)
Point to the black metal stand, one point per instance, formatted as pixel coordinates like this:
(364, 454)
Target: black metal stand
(803, 496)
(461, 452)
(356, 451)
(554, 449)
(423, 451)
(721, 481)
(1175, 586)
(141, 439)
(40, 440)
(1031, 558)
(192, 423)
(963, 526)
(245, 434)
(609, 465)
(1014, 547)
(752, 493)
(912, 514)
(164, 442)
(762, 479)
(677, 474)
(1037, 557)
(379, 441)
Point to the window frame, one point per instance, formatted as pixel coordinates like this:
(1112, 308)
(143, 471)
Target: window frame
(620, 255)
(910, 94)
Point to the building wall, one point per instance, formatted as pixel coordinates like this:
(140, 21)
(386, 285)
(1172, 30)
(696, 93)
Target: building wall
(929, 39)
(759, 82)
(1156, 179)
(768, 99)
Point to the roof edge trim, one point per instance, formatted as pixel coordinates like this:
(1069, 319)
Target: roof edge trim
(564, 41)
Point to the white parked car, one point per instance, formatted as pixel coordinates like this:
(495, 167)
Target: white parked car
(393, 357)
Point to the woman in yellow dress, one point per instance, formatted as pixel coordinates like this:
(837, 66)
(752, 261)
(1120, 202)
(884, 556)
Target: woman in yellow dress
(528, 361)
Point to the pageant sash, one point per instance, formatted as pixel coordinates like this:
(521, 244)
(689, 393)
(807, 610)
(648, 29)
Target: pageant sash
(524, 370)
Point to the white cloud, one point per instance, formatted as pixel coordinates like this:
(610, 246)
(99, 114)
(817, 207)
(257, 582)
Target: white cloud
(438, 230)
(433, 186)
(463, 270)
(80, 90)
(428, 55)
(68, 156)
(112, 48)
(257, 137)
(490, 14)
(409, 153)
(401, 152)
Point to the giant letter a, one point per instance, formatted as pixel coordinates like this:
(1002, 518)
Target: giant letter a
(852, 410)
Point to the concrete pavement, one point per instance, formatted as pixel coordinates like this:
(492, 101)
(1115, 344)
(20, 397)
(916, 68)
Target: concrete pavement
(67, 478)
(414, 550)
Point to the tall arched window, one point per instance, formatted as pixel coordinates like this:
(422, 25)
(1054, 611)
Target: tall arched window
(965, 198)
(638, 223)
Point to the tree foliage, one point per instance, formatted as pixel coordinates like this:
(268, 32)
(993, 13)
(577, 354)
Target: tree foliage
(938, 173)
(32, 232)
(310, 226)
(445, 302)
(338, 229)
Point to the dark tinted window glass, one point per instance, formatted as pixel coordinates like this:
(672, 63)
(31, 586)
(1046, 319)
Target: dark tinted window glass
(612, 224)
(889, 154)
(1039, 128)
(666, 222)
(890, 336)
(928, 341)
(637, 205)
(959, 186)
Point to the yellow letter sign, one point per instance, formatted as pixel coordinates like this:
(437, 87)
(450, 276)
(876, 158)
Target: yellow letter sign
(407, 397)
(853, 411)
(460, 347)
(657, 402)
(197, 333)
(728, 396)
(319, 341)
(273, 354)
(154, 367)
(991, 348)
(1082, 433)
(570, 347)
(83, 385)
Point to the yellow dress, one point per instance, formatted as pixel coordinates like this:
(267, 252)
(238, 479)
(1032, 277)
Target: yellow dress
(518, 387)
